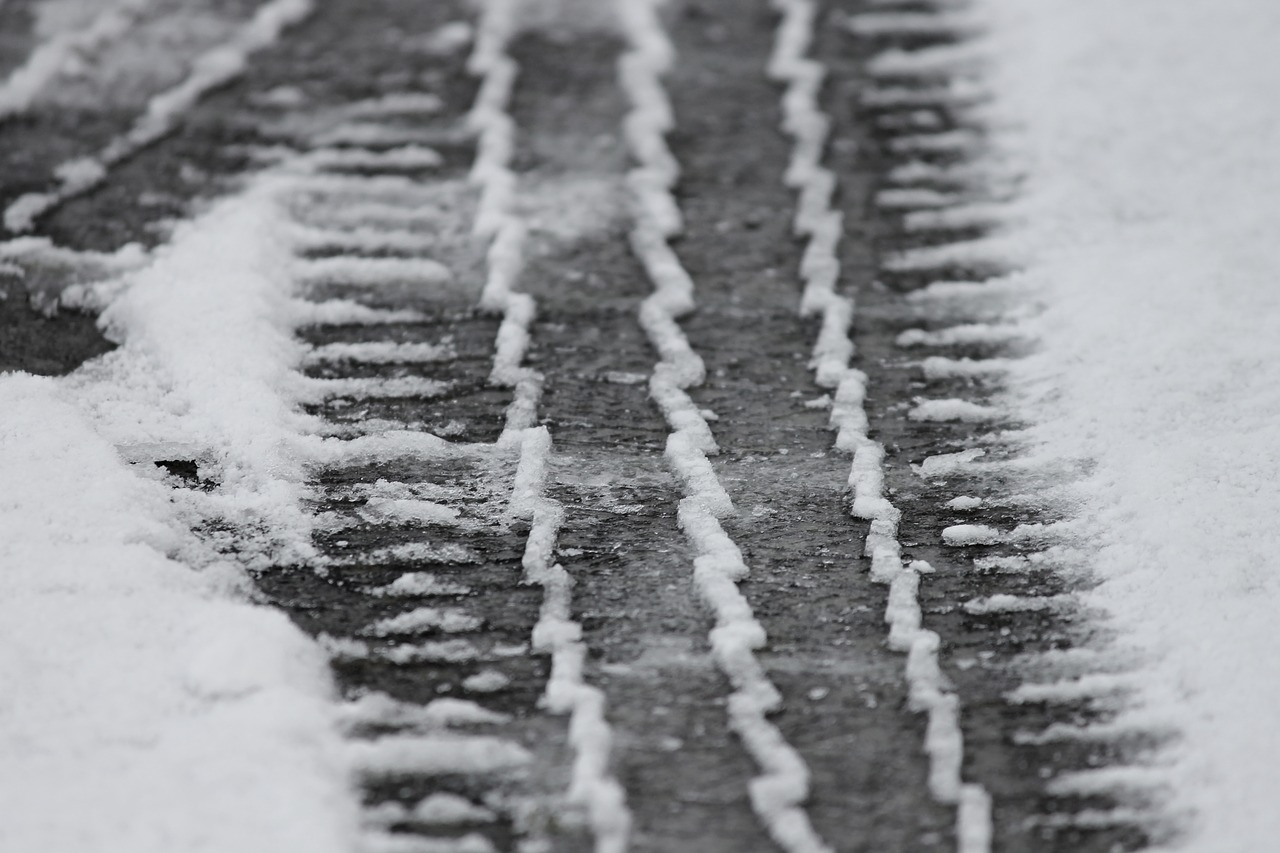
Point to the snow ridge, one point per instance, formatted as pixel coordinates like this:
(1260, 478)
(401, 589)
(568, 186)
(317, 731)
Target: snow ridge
(808, 126)
(47, 61)
(592, 786)
(777, 794)
(210, 70)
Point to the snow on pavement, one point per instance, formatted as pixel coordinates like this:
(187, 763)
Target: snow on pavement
(148, 706)
(1150, 133)
(145, 708)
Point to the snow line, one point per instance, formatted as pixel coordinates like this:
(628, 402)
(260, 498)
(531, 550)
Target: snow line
(592, 786)
(213, 68)
(808, 126)
(777, 794)
(47, 61)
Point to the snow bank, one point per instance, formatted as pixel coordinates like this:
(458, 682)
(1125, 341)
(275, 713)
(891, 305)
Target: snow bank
(144, 708)
(206, 370)
(1151, 135)
(148, 707)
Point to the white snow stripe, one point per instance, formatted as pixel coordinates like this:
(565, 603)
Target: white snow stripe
(345, 312)
(397, 104)
(364, 239)
(953, 410)
(972, 215)
(370, 388)
(1090, 686)
(952, 94)
(935, 61)
(777, 794)
(932, 24)
(436, 754)
(380, 710)
(447, 620)
(983, 252)
(381, 352)
(808, 126)
(965, 335)
(49, 59)
(592, 785)
(939, 367)
(400, 842)
(946, 142)
(370, 272)
(916, 198)
(210, 70)
(408, 157)
(373, 134)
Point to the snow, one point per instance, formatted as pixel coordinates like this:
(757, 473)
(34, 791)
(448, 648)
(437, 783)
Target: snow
(59, 50)
(211, 69)
(485, 681)
(592, 786)
(436, 754)
(953, 410)
(1150, 135)
(421, 620)
(422, 584)
(157, 710)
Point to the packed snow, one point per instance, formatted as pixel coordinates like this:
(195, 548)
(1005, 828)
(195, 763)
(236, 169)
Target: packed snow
(1150, 135)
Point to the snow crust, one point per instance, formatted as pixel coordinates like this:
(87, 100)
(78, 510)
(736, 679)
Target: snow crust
(1150, 134)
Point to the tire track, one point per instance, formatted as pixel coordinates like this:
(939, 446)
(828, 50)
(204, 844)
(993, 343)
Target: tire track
(164, 110)
(988, 517)
(782, 786)
(683, 769)
(815, 219)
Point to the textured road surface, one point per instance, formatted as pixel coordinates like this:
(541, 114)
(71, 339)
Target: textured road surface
(844, 692)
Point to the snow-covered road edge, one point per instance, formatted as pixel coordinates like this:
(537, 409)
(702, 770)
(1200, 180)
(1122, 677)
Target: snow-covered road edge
(1150, 136)
(150, 707)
